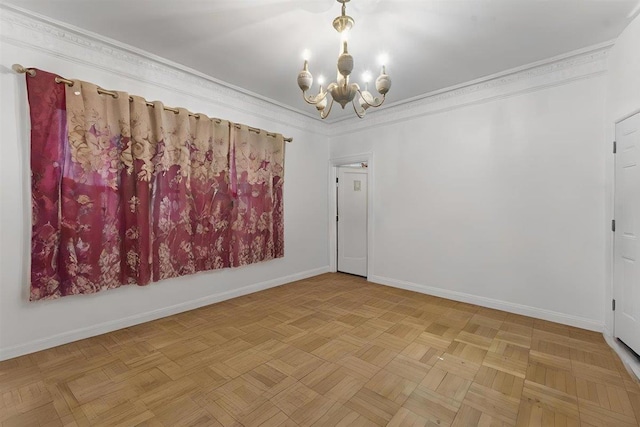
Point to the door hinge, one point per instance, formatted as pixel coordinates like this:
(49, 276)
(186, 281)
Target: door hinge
(613, 305)
(337, 218)
(613, 225)
(615, 148)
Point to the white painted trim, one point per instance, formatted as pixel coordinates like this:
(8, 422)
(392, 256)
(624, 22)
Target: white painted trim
(24, 28)
(525, 310)
(628, 115)
(610, 261)
(82, 333)
(568, 59)
(629, 360)
(332, 211)
(333, 208)
(610, 243)
(585, 63)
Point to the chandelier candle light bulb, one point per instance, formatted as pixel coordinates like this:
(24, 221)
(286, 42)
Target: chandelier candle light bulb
(344, 36)
(342, 91)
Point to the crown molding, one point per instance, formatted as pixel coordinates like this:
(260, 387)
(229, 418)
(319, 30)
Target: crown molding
(558, 70)
(28, 29)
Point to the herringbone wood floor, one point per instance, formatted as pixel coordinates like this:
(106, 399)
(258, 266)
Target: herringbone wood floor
(328, 351)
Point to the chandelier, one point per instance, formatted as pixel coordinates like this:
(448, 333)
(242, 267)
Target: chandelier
(341, 90)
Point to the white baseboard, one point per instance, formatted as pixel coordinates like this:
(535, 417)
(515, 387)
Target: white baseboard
(91, 331)
(525, 310)
(629, 360)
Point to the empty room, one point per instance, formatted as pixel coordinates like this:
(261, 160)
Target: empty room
(320, 213)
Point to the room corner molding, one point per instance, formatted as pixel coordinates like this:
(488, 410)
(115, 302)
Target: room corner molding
(27, 29)
(82, 333)
(555, 71)
(525, 310)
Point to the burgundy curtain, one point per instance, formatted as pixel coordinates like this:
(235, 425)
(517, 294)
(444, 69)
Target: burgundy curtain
(128, 193)
(258, 167)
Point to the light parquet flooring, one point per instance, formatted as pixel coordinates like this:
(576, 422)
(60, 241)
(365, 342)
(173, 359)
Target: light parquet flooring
(332, 350)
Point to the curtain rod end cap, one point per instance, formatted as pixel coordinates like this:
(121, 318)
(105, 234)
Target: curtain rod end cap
(22, 70)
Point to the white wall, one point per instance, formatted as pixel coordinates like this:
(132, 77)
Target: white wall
(25, 326)
(622, 99)
(623, 88)
(490, 193)
(498, 201)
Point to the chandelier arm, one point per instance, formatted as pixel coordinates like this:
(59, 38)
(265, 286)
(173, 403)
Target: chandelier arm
(360, 113)
(376, 103)
(313, 99)
(317, 99)
(323, 115)
(309, 99)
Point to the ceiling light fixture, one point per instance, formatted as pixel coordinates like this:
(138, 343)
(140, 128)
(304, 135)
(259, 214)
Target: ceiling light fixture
(341, 90)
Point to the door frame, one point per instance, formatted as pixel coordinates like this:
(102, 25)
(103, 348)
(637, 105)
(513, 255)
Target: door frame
(612, 237)
(333, 207)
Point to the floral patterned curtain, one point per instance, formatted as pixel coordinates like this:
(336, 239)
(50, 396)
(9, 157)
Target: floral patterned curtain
(126, 192)
(257, 178)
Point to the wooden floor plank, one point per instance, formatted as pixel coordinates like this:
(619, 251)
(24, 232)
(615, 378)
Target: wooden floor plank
(332, 350)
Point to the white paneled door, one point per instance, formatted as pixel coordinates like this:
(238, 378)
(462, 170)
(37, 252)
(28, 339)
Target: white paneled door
(352, 220)
(627, 223)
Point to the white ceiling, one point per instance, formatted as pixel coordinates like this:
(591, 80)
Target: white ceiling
(258, 44)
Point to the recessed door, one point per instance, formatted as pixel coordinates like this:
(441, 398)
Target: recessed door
(352, 220)
(626, 243)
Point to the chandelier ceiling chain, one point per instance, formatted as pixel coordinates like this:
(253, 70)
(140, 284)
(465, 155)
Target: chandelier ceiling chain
(341, 90)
